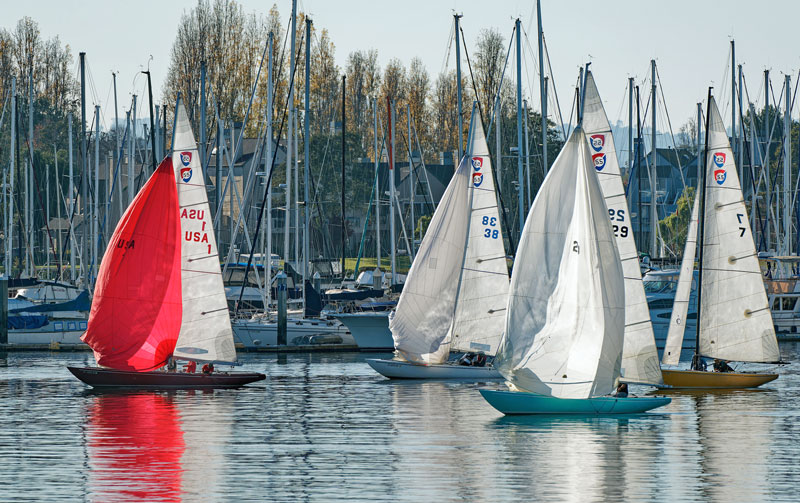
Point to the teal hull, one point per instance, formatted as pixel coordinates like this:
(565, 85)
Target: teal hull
(518, 402)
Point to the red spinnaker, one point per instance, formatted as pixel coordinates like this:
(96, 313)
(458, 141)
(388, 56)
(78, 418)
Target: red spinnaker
(136, 309)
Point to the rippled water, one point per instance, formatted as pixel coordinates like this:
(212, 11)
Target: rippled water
(326, 428)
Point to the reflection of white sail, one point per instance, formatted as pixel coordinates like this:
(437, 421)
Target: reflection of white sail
(738, 470)
(639, 354)
(680, 306)
(735, 319)
(207, 425)
(206, 333)
(566, 309)
(456, 290)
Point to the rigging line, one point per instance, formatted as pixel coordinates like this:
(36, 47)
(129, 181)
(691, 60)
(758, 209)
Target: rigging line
(480, 114)
(672, 134)
(446, 61)
(553, 85)
(267, 185)
(500, 85)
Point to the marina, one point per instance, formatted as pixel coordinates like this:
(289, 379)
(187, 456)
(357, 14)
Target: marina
(308, 262)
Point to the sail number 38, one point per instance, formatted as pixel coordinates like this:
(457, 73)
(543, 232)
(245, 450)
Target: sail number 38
(491, 222)
(618, 216)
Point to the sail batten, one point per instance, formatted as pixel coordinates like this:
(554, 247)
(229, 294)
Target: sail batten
(639, 354)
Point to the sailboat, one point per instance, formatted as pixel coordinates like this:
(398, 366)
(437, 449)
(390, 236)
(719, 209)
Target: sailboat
(639, 353)
(159, 292)
(565, 320)
(734, 319)
(455, 293)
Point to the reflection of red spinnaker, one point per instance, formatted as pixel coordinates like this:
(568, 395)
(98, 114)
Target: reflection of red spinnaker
(135, 444)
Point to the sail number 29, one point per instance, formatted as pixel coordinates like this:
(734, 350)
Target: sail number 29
(491, 222)
(618, 216)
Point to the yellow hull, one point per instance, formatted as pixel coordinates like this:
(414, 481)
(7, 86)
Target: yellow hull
(718, 380)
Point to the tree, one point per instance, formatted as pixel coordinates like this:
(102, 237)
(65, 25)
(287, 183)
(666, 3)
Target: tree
(673, 228)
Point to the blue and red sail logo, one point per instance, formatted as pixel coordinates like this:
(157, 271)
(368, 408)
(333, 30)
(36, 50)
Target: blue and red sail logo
(477, 179)
(186, 158)
(719, 159)
(597, 141)
(477, 163)
(720, 175)
(599, 161)
(186, 174)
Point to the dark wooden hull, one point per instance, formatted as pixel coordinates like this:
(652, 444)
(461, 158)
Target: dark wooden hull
(109, 378)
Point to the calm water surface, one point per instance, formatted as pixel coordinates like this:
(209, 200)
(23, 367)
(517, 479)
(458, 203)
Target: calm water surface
(326, 428)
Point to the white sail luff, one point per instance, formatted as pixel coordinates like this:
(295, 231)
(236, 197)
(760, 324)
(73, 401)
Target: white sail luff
(639, 353)
(483, 288)
(680, 307)
(566, 306)
(206, 333)
(735, 318)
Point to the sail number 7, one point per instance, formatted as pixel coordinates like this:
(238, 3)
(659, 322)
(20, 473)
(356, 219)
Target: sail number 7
(491, 222)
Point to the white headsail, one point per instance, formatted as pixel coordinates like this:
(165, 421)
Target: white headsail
(566, 306)
(639, 354)
(683, 293)
(456, 290)
(206, 333)
(483, 292)
(735, 318)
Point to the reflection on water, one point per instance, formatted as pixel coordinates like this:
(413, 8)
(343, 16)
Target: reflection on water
(134, 445)
(326, 428)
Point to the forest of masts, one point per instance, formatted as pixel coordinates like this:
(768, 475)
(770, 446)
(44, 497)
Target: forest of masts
(56, 172)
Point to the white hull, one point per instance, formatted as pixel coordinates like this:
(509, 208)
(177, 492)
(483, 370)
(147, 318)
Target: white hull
(61, 332)
(254, 334)
(369, 330)
(395, 369)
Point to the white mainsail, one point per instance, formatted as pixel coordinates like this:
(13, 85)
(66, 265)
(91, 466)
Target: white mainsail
(566, 306)
(456, 290)
(639, 353)
(206, 333)
(735, 318)
(483, 292)
(680, 307)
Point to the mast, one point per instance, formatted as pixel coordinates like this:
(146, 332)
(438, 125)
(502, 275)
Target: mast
(753, 147)
(12, 161)
(413, 183)
(306, 158)
(152, 125)
(31, 221)
(95, 222)
(787, 169)
(58, 214)
(630, 125)
(202, 147)
(84, 177)
(289, 139)
(498, 136)
(118, 151)
(47, 212)
(377, 185)
(700, 241)
(639, 169)
(456, 18)
(733, 101)
(740, 147)
(72, 249)
(132, 151)
(521, 186)
(653, 172)
(267, 169)
(527, 157)
(766, 152)
(542, 85)
(344, 178)
(390, 115)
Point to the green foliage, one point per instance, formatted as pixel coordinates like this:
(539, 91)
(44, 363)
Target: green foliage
(422, 226)
(674, 227)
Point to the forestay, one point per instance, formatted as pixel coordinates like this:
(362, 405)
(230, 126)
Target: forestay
(566, 307)
(735, 319)
(680, 307)
(639, 354)
(206, 333)
(483, 290)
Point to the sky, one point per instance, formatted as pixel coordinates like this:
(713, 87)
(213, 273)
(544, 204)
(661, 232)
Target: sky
(689, 39)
